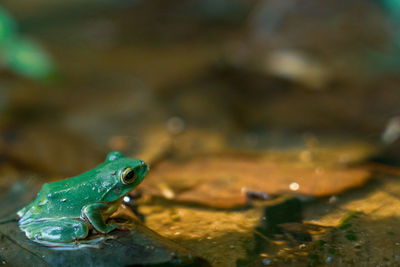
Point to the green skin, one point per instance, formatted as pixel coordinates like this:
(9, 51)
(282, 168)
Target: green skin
(64, 211)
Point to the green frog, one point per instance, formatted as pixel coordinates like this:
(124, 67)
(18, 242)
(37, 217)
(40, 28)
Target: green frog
(65, 211)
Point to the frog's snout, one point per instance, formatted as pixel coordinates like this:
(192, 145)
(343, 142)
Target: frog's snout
(144, 166)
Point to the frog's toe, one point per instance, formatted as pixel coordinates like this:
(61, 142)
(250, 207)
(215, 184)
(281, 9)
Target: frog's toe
(33, 235)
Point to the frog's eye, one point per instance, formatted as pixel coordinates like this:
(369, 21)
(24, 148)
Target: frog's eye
(128, 176)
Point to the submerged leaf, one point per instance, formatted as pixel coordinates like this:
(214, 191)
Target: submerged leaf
(220, 181)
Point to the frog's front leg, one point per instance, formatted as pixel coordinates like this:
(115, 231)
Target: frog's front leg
(96, 214)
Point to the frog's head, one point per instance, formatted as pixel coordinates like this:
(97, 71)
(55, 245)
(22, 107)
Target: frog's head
(127, 173)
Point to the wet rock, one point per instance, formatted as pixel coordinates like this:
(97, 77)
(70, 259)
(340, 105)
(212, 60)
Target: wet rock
(139, 246)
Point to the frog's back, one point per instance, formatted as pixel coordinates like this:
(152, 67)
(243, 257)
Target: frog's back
(64, 198)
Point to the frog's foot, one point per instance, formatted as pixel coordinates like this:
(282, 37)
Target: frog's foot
(94, 242)
(72, 245)
(56, 232)
(110, 237)
(125, 226)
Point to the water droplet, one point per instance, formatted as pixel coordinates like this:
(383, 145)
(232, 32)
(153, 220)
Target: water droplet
(127, 199)
(294, 186)
(64, 199)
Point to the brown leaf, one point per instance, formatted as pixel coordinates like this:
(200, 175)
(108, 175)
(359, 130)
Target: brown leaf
(219, 181)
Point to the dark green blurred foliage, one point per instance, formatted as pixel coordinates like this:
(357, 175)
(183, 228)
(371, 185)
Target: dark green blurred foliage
(20, 54)
(389, 59)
